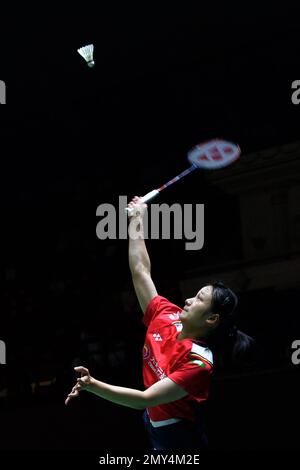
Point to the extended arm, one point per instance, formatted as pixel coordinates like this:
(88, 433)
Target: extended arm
(164, 391)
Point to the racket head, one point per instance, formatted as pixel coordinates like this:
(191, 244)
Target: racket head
(214, 154)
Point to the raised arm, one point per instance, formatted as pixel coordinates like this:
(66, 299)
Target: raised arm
(139, 261)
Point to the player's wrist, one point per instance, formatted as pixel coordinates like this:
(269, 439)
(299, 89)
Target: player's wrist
(90, 387)
(136, 214)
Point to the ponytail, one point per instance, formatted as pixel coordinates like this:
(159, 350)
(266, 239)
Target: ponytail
(231, 347)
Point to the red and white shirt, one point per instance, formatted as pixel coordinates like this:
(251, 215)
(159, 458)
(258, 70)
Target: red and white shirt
(187, 362)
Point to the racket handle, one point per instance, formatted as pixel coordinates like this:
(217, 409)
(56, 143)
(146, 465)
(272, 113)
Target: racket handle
(145, 199)
(150, 195)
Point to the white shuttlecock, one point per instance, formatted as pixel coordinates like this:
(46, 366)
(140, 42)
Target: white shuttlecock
(87, 53)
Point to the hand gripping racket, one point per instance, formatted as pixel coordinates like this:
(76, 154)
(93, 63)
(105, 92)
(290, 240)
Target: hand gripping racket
(210, 155)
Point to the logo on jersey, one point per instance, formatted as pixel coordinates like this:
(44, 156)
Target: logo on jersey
(178, 325)
(153, 364)
(196, 359)
(146, 351)
(157, 337)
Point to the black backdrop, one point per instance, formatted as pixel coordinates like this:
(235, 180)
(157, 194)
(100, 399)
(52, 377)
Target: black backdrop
(73, 138)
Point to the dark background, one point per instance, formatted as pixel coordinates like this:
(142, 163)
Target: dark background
(73, 138)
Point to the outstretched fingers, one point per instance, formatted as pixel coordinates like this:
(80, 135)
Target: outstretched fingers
(81, 382)
(74, 393)
(82, 370)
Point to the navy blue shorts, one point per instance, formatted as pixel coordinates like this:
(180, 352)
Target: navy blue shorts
(183, 435)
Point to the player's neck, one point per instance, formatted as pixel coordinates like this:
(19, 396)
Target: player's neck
(187, 334)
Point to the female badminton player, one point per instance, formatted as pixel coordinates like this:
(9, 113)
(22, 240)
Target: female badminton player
(178, 354)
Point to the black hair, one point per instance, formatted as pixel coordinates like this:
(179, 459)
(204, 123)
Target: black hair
(231, 347)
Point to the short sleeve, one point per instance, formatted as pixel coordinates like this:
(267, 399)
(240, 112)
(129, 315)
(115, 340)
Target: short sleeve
(194, 377)
(157, 306)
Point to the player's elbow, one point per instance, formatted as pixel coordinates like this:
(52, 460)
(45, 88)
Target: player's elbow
(142, 401)
(152, 399)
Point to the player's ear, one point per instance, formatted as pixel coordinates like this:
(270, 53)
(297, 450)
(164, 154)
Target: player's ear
(213, 319)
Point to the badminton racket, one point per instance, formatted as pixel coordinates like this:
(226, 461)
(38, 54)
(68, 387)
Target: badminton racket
(209, 155)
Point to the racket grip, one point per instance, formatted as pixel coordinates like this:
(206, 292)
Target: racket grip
(150, 195)
(145, 199)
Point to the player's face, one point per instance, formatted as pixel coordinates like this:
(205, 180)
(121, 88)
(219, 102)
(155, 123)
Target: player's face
(196, 309)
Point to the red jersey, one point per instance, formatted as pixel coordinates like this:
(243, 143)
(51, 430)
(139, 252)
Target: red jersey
(187, 362)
